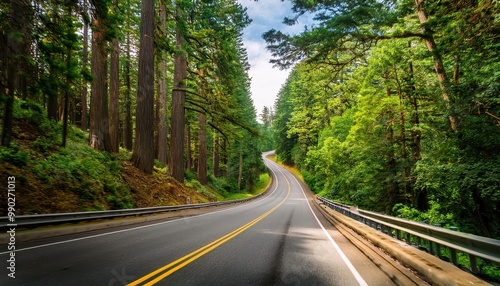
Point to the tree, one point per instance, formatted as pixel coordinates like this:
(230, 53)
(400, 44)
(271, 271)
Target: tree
(99, 138)
(176, 158)
(85, 59)
(162, 95)
(349, 26)
(15, 43)
(114, 84)
(202, 151)
(143, 155)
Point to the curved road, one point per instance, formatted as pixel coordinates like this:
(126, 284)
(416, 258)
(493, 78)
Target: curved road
(275, 240)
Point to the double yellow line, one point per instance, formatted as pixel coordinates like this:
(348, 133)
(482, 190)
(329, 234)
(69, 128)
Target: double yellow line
(159, 274)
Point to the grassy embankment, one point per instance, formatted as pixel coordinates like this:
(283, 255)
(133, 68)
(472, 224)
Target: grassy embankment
(51, 178)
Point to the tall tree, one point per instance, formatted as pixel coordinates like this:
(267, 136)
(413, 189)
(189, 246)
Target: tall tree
(162, 96)
(15, 42)
(85, 59)
(99, 137)
(114, 84)
(143, 155)
(177, 133)
(127, 129)
(202, 150)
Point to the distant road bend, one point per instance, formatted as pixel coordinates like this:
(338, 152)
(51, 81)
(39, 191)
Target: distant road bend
(276, 240)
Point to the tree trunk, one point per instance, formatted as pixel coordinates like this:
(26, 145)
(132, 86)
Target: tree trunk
(162, 101)
(188, 147)
(215, 156)
(240, 171)
(176, 158)
(52, 104)
(438, 61)
(419, 195)
(128, 104)
(85, 59)
(99, 120)
(202, 153)
(114, 91)
(66, 98)
(13, 51)
(143, 155)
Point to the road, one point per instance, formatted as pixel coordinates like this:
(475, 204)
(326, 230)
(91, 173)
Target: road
(276, 240)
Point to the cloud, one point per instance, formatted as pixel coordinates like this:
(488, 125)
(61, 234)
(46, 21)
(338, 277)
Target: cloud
(266, 15)
(266, 80)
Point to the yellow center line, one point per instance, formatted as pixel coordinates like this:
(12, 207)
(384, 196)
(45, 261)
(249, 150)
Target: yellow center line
(185, 260)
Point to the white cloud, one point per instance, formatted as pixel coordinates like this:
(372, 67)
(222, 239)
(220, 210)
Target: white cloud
(266, 80)
(266, 15)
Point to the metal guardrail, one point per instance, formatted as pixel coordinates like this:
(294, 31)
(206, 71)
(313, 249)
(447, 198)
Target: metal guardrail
(436, 237)
(32, 221)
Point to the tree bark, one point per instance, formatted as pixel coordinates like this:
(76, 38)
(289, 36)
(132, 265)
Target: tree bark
(99, 119)
(202, 152)
(438, 61)
(215, 156)
(15, 48)
(176, 158)
(85, 59)
(128, 104)
(143, 155)
(162, 101)
(189, 160)
(114, 91)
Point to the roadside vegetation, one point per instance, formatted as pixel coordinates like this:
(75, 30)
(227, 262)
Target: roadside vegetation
(394, 108)
(51, 178)
(161, 97)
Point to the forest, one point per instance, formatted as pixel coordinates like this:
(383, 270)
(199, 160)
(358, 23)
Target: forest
(394, 106)
(88, 84)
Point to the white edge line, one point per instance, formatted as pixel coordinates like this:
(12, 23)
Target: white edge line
(139, 227)
(346, 260)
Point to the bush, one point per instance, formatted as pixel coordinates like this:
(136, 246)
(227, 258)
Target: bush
(14, 155)
(29, 111)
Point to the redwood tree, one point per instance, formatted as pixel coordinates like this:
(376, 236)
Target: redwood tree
(143, 155)
(176, 158)
(99, 132)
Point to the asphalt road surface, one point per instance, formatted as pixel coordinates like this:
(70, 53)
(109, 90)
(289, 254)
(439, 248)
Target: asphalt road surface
(276, 240)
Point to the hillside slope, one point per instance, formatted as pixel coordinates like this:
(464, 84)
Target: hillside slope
(52, 179)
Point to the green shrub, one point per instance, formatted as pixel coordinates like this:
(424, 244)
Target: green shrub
(43, 144)
(14, 155)
(29, 111)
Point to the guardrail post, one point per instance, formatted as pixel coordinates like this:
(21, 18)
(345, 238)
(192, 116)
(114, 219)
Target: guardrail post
(453, 254)
(438, 250)
(473, 264)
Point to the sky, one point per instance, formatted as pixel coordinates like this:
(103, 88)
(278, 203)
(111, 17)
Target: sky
(266, 80)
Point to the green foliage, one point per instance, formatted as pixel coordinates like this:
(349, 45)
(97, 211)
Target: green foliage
(29, 111)
(86, 172)
(193, 183)
(222, 185)
(14, 155)
(366, 119)
(433, 216)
